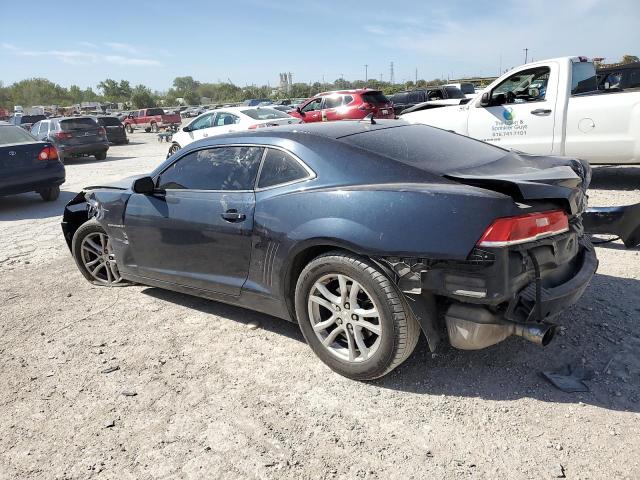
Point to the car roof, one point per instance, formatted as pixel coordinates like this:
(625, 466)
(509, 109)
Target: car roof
(348, 91)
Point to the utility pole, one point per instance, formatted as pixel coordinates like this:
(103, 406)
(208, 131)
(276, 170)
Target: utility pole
(380, 78)
(416, 75)
(366, 67)
(391, 79)
(526, 55)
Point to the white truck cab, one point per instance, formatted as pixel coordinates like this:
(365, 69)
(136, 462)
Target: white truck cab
(550, 107)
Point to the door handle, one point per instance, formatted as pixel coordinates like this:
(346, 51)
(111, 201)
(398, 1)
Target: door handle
(205, 134)
(233, 216)
(541, 111)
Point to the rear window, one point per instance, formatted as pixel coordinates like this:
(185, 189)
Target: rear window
(467, 88)
(583, 78)
(427, 148)
(374, 98)
(454, 92)
(264, 113)
(78, 124)
(154, 111)
(108, 121)
(10, 135)
(32, 118)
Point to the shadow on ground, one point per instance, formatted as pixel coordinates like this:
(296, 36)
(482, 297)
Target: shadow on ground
(601, 335)
(31, 206)
(615, 178)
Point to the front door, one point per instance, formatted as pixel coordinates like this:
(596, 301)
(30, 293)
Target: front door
(521, 114)
(199, 128)
(196, 230)
(312, 111)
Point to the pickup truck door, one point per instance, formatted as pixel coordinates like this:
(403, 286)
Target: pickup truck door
(522, 112)
(196, 231)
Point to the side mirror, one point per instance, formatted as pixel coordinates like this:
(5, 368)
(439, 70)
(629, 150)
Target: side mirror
(144, 186)
(186, 129)
(485, 100)
(299, 110)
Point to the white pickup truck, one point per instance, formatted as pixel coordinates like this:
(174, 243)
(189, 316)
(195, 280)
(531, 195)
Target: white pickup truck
(551, 107)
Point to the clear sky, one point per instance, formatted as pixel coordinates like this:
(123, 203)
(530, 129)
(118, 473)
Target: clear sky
(250, 41)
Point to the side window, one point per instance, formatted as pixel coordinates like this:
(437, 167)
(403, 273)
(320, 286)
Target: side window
(522, 87)
(414, 97)
(223, 168)
(347, 100)
(224, 118)
(35, 129)
(44, 129)
(400, 98)
(202, 122)
(333, 101)
(434, 95)
(312, 105)
(279, 167)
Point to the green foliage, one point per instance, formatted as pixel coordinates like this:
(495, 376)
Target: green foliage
(142, 97)
(629, 59)
(115, 92)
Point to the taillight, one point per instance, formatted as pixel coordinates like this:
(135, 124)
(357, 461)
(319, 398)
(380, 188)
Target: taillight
(524, 228)
(102, 131)
(63, 135)
(48, 153)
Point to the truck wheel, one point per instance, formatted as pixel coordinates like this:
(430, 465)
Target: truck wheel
(101, 155)
(50, 194)
(129, 128)
(147, 129)
(353, 317)
(154, 128)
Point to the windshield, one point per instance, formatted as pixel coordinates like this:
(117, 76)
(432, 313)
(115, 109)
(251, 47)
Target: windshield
(264, 113)
(467, 88)
(427, 148)
(78, 124)
(10, 135)
(583, 78)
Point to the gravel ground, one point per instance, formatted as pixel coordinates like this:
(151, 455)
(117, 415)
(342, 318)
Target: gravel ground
(196, 391)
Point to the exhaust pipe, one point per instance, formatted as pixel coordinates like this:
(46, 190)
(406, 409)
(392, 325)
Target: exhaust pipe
(472, 327)
(538, 333)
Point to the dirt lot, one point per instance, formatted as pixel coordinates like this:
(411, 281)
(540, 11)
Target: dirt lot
(199, 394)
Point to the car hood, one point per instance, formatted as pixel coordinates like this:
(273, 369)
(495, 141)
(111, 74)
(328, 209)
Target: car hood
(122, 184)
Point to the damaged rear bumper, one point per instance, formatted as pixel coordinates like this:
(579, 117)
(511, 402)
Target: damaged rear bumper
(624, 222)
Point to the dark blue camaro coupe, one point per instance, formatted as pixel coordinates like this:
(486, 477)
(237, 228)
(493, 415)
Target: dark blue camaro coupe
(366, 234)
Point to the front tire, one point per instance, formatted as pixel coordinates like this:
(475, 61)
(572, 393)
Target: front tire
(353, 317)
(101, 155)
(93, 253)
(50, 194)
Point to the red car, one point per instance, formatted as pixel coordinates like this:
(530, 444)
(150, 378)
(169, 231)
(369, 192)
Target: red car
(344, 105)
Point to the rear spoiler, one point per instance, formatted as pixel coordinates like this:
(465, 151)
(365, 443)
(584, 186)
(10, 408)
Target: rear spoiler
(623, 222)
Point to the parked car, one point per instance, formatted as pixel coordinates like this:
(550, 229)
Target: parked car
(467, 88)
(344, 105)
(254, 102)
(114, 128)
(25, 121)
(623, 77)
(73, 136)
(432, 97)
(28, 165)
(226, 120)
(151, 120)
(364, 233)
(550, 107)
(189, 112)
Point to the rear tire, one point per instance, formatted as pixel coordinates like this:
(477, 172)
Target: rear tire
(50, 194)
(382, 329)
(101, 155)
(154, 128)
(129, 128)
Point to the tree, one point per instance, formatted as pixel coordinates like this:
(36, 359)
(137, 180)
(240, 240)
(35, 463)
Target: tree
(142, 97)
(115, 92)
(629, 59)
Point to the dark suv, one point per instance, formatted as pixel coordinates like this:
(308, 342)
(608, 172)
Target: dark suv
(25, 121)
(403, 100)
(73, 136)
(114, 128)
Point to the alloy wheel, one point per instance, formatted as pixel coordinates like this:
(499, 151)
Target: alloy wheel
(344, 317)
(98, 258)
